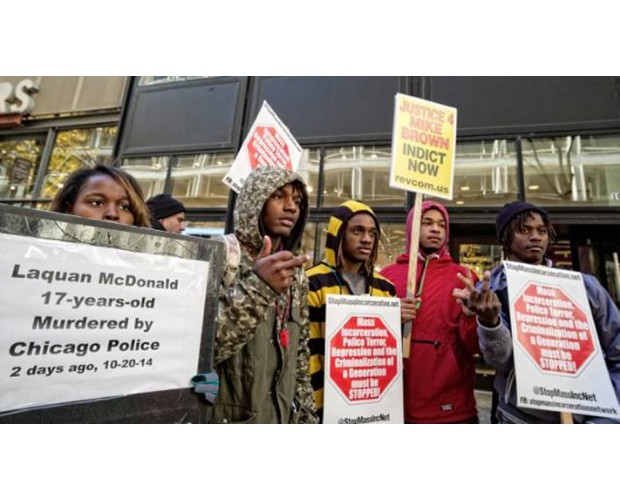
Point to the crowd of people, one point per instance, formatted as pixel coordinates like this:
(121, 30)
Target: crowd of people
(270, 337)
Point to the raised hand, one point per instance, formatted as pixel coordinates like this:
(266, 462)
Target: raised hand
(483, 302)
(277, 270)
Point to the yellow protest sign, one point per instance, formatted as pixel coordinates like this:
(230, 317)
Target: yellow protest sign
(423, 146)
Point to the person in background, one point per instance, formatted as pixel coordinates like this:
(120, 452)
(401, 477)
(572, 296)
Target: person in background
(102, 193)
(168, 213)
(351, 251)
(439, 375)
(261, 348)
(525, 233)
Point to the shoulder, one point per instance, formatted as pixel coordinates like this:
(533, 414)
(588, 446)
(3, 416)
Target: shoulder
(317, 269)
(321, 277)
(595, 291)
(383, 284)
(392, 270)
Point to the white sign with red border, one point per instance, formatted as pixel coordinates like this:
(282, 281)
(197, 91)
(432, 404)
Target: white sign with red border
(269, 142)
(558, 360)
(363, 360)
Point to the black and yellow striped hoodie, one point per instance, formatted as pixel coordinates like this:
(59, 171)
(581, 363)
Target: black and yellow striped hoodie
(326, 279)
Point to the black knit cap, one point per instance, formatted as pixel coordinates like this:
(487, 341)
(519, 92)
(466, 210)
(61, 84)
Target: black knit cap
(511, 210)
(164, 205)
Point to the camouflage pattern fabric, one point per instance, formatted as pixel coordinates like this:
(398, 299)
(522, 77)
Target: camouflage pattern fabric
(247, 321)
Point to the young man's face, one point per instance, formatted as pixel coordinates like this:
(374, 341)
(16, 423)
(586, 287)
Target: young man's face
(174, 224)
(530, 242)
(432, 231)
(281, 211)
(359, 238)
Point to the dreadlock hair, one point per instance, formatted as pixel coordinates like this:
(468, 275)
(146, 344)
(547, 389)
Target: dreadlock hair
(516, 224)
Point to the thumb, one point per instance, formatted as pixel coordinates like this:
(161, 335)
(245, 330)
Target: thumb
(266, 250)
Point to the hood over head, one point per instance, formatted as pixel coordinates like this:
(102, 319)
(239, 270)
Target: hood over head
(338, 222)
(256, 190)
(426, 206)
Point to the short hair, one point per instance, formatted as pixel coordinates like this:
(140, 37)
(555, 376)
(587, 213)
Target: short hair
(516, 224)
(66, 197)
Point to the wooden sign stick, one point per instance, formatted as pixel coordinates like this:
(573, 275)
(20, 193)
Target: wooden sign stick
(566, 418)
(414, 245)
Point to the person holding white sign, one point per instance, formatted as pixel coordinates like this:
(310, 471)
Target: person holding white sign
(351, 252)
(261, 349)
(102, 193)
(525, 232)
(443, 335)
(113, 195)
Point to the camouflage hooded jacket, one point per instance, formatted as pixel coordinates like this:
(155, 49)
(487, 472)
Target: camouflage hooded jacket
(262, 380)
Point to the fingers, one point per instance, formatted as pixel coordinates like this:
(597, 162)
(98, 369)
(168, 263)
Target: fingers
(468, 273)
(486, 282)
(408, 309)
(466, 280)
(278, 269)
(265, 251)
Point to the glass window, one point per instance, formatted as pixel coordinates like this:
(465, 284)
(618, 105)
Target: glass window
(155, 80)
(485, 174)
(204, 228)
(612, 269)
(307, 243)
(479, 258)
(392, 244)
(561, 255)
(19, 158)
(309, 170)
(359, 173)
(572, 170)
(197, 179)
(150, 172)
(75, 149)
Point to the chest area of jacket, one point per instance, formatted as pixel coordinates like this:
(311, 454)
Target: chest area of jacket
(438, 305)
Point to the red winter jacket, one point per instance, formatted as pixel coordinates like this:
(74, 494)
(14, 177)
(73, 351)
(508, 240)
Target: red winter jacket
(439, 375)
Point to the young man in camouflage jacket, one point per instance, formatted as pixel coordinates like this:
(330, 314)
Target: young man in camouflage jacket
(261, 351)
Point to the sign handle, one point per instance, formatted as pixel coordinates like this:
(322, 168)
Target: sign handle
(414, 245)
(566, 418)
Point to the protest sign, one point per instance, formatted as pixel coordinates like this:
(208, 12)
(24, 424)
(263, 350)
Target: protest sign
(363, 365)
(558, 360)
(269, 143)
(85, 320)
(423, 147)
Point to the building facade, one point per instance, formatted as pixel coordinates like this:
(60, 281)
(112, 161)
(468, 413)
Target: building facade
(553, 141)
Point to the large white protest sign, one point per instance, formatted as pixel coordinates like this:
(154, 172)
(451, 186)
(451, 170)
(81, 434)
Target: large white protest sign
(558, 359)
(82, 322)
(363, 365)
(269, 142)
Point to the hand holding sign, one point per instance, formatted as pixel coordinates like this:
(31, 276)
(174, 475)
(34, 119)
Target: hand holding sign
(483, 302)
(408, 309)
(277, 270)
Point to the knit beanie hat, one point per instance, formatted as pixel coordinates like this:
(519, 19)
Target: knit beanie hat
(511, 210)
(164, 205)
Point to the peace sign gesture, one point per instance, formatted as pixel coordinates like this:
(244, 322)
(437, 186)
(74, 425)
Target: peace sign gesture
(483, 302)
